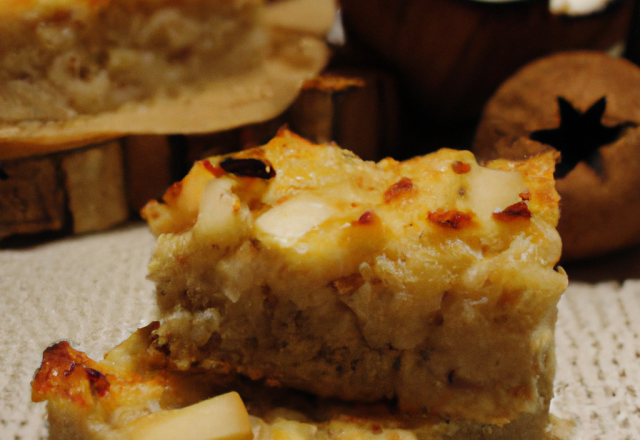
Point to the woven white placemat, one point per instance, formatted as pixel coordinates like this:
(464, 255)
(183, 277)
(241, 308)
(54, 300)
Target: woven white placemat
(598, 374)
(92, 291)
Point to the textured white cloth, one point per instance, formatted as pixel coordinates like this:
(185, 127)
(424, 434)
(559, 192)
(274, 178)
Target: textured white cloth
(92, 291)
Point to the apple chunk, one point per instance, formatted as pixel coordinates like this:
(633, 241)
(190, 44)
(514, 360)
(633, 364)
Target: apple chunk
(219, 418)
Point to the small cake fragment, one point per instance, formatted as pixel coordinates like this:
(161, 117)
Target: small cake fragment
(429, 282)
(131, 395)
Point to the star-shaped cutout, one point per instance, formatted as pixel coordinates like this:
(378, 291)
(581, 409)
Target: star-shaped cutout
(579, 136)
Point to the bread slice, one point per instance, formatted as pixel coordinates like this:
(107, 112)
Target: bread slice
(430, 283)
(132, 394)
(82, 71)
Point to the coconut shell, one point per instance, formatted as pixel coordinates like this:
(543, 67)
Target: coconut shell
(600, 199)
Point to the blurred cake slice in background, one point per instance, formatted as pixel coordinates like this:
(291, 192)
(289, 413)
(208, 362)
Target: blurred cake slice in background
(89, 70)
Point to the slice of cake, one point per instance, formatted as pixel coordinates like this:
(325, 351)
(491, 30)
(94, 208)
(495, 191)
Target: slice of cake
(429, 283)
(80, 70)
(70, 57)
(132, 395)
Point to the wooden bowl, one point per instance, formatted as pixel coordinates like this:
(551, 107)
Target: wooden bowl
(453, 54)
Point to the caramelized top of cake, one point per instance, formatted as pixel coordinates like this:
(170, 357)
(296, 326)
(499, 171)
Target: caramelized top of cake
(300, 197)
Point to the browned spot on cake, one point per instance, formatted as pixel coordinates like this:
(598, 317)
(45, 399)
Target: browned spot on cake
(368, 218)
(451, 219)
(98, 381)
(525, 195)
(63, 372)
(517, 211)
(398, 189)
(460, 167)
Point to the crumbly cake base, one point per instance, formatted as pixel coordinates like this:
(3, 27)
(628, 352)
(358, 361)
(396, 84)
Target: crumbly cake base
(140, 384)
(73, 58)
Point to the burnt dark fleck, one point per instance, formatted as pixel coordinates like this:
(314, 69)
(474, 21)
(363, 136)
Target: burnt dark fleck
(518, 210)
(366, 218)
(248, 168)
(99, 381)
(164, 349)
(70, 370)
(579, 136)
(3, 174)
(93, 374)
(403, 186)
(450, 219)
(397, 364)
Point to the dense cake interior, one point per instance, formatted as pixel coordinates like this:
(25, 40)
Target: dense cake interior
(429, 282)
(60, 59)
(132, 387)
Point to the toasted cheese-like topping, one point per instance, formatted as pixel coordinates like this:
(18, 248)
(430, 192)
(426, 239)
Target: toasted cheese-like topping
(319, 192)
